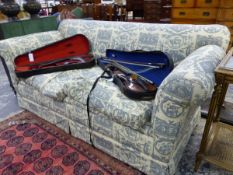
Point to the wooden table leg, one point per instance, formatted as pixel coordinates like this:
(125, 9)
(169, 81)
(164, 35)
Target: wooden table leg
(221, 101)
(211, 113)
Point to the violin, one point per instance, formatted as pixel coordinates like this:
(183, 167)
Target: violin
(131, 84)
(67, 54)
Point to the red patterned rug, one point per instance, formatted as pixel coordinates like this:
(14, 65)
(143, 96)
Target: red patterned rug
(31, 146)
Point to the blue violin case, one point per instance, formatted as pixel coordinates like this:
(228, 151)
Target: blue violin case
(154, 66)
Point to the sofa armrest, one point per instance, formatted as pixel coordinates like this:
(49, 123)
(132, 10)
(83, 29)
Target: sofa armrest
(180, 95)
(11, 48)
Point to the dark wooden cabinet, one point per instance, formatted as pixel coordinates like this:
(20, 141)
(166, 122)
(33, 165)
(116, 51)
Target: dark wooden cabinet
(194, 11)
(225, 15)
(158, 11)
(136, 6)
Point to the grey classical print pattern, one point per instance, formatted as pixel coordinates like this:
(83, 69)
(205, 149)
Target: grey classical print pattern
(177, 40)
(150, 136)
(59, 85)
(107, 99)
(190, 83)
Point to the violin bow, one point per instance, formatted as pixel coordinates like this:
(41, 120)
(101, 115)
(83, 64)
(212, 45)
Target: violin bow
(151, 65)
(47, 63)
(129, 71)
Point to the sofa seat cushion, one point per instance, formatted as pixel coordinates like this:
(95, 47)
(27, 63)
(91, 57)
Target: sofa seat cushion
(73, 87)
(55, 84)
(106, 98)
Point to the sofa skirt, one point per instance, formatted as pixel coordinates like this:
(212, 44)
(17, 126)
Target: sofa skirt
(124, 152)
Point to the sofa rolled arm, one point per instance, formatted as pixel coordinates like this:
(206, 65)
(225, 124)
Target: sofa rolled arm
(181, 93)
(12, 47)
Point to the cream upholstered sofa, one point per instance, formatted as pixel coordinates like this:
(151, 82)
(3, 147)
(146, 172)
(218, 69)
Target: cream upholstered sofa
(148, 135)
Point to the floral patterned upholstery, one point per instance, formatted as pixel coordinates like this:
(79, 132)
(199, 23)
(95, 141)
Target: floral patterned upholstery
(182, 92)
(177, 40)
(107, 99)
(150, 136)
(58, 85)
(74, 86)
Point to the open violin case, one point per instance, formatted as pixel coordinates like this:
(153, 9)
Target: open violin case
(67, 54)
(152, 65)
(137, 73)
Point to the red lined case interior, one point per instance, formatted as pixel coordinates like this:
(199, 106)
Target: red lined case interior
(56, 54)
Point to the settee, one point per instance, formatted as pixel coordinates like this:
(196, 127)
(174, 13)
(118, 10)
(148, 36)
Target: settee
(148, 135)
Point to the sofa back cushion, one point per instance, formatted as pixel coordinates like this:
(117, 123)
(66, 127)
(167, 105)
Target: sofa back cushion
(178, 40)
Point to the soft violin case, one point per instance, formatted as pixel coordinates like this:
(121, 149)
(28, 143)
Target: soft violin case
(152, 65)
(67, 54)
(137, 73)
